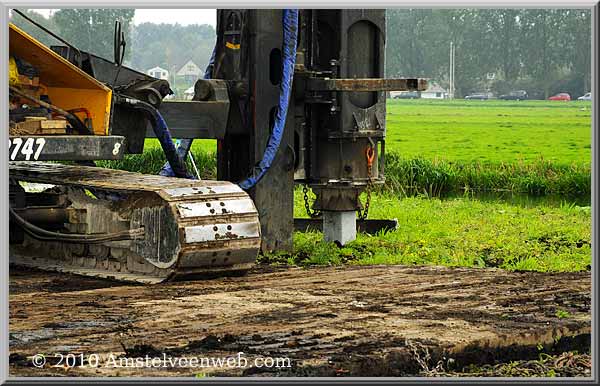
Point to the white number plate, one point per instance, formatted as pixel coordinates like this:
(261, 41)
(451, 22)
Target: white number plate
(23, 148)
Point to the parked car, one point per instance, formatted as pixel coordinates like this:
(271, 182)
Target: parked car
(517, 95)
(408, 95)
(561, 96)
(586, 97)
(482, 96)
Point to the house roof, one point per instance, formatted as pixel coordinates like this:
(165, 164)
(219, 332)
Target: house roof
(434, 87)
(153, 69)
(189, 68)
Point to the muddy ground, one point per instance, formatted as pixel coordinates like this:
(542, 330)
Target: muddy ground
(350, 321)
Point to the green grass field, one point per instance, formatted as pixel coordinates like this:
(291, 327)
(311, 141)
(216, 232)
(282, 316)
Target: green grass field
(458, 232)
(490, 131)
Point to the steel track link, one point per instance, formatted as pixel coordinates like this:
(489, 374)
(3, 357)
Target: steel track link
(191, 228)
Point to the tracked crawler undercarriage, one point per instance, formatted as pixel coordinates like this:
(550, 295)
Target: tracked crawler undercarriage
(177, 227)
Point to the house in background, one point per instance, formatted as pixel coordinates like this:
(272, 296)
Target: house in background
(189, 73)
(159, 73)
(189, 93)
(434, 91)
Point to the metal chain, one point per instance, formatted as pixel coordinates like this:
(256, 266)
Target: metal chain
(370, 155)
(310, 213)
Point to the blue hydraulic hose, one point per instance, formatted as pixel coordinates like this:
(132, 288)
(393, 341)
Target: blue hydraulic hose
(161, 130)
(175, 162)
(290, 37)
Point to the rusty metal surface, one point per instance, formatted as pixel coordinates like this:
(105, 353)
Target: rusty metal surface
(368, 84)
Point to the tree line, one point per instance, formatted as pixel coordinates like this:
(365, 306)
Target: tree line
(149, 45)
(543, 51)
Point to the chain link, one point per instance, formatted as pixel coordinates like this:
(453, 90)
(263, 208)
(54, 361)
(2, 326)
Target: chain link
(310, 213)
(362, 214)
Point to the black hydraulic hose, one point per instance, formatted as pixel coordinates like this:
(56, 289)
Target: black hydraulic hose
(162, 134)
(73, 120)
(42, 234)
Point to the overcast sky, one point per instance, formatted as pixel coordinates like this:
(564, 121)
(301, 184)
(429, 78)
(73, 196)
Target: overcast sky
(171, 16)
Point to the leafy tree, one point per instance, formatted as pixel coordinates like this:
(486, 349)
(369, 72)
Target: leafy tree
(406, 46)
(92, 30)
(541, 50)
(502, 25)
(33, 30)
(578, 45)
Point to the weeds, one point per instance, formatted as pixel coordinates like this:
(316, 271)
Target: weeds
(435, 178)
(562, 314)
(423, 358)
(567, 364)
